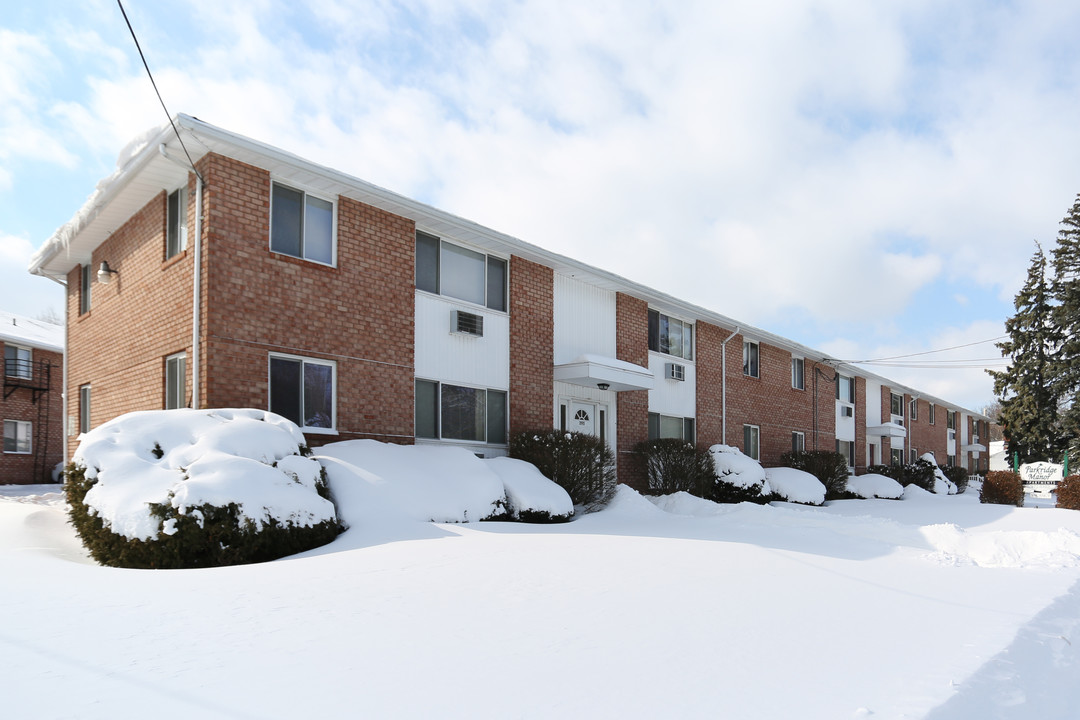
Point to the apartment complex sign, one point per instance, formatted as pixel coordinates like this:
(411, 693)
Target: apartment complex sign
(1041, 475)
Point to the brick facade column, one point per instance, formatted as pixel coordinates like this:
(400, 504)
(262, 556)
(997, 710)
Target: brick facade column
(532, 345)
(632, 345)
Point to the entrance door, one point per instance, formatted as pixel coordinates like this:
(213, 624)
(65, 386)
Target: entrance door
(582, 417)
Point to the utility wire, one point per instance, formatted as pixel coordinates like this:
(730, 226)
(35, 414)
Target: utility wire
(930, 352)
(151, 76)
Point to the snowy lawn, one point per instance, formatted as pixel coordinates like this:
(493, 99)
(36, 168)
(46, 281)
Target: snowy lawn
(926, 607)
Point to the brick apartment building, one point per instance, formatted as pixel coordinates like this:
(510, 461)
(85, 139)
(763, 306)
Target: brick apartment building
(32, 406)
(360, 313)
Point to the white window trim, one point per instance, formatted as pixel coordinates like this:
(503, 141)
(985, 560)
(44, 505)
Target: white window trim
(757, 429)
(333, 222)
(29, 436)
(693, 338)
(84, 408)
(913, 409)
(746, 369)
(794, 359)
(682, 420)
(332, 430)
(802, 440)
(450, 298)
(457, 441)
(30, 360)
(182, 396)
(182, 221)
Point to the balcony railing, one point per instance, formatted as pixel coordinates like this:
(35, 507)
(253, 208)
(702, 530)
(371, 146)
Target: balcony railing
(31, 374)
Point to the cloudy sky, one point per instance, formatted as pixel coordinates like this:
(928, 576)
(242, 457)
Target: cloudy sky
(865, 178)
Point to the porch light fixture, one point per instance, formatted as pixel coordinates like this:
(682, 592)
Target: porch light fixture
(603, 386)
(105, 274)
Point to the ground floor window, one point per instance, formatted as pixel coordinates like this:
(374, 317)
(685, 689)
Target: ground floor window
(847, 449)
(457, 412)
(303, 390)
(914, 455)
(175, 381)
(752, 441)
(17, 435)
(896, 456)
(951, 460)
(798, 442)
(668, 426)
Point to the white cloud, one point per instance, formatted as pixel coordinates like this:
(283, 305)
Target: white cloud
(15, 251)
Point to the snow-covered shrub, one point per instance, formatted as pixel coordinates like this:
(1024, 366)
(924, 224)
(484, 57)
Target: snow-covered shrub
(531, 497)
(1002, 487)
(737, 478)
(830, 468)
(942, 485)
(957, 475)
(797, 486)
(674, 465)
(1068, 493)
(197, 488)
(919, 473)
(896, 472)
(582, 464)
(874, 485)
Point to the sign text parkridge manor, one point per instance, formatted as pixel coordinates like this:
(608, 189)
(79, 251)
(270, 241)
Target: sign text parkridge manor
(1041, 473)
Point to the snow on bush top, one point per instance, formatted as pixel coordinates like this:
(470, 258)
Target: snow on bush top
(737, 469)
(796, 485)
(528, 490)
(942, 484)
(189, 458)
(422, 482)
(873, 485)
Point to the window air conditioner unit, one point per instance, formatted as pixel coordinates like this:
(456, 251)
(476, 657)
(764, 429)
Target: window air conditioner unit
(674, 371)
(847, 411)
(468, 323)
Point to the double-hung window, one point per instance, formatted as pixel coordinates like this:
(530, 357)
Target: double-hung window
(845, 389)
(670, 336)
(847, 449)
(456, 412)
(798, 441)
(950, 419)
(666, 426)
(176, 381)
(303, 390)
(17, 435)
(750, 353)
(896, 404)
(798, 367)
(18, 361)
(914, 409)
(301, 225)
(447, 269)
(176, 223)
(896, 457)
(752, 441)
(84, 408)
(930, 415)
(84, 289)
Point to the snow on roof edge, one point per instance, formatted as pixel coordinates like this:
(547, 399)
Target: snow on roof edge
(38, 334)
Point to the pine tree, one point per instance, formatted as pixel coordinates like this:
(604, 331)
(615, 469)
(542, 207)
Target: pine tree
(1066, 291)
(1028, 389)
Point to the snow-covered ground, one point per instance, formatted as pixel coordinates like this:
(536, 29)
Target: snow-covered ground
(926, 607)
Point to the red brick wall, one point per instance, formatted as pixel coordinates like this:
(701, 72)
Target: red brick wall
(632, 345)
(926, 437)
(359, 314)
(532, 345)
(46, 414)
(142, 316)
(860, 425)
(709, 390)
(770, 402)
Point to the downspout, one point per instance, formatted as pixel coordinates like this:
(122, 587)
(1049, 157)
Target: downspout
(196, 295)
(64, 373)
(723, 385)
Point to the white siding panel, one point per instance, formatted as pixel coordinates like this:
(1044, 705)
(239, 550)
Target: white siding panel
(845, 426)
(584, 320)
(453, 357)
(672, 397)
(873, 403)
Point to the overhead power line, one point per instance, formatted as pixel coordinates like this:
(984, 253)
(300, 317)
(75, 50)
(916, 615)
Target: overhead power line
(158, 92)
(930, 352)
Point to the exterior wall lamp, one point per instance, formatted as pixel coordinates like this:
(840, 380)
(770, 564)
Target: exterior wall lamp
(603, 386)
(105, 273)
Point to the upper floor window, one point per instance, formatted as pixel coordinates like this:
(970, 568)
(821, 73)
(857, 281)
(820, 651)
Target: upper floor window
(845, 389)
(897, 404)
(666, 426)
(950, 419)
(914, 415)
(797, 373)
(17, 361)
(301, 225)
(176, 223)
(930, 415)
(670, 336)
(447, 269)
(84, 408)
(84, 290)
(302, 390)
(750, 352)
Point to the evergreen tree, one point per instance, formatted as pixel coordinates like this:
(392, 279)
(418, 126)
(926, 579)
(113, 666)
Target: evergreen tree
(1066, 291)
(1027, 388)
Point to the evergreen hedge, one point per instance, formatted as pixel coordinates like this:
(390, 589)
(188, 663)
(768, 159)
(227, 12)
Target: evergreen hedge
(672, 466)
(582, 464)
(1002, 488)
(957, 475)
(205, 536)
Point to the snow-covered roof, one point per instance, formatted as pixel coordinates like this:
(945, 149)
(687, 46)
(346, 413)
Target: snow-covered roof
(19, 330)
(151, 163)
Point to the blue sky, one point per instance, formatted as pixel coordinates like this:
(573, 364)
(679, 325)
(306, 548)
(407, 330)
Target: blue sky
(865, 178)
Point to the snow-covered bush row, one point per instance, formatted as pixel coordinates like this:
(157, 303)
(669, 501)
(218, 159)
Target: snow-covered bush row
(197, 488)
(672, 466)
(738, 477)
(440, 484)
(580, 463)
(796, 486)
(873, 485)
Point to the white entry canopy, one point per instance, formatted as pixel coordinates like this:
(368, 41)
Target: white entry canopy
(974, 448)
(593, 370)
(889, 429)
